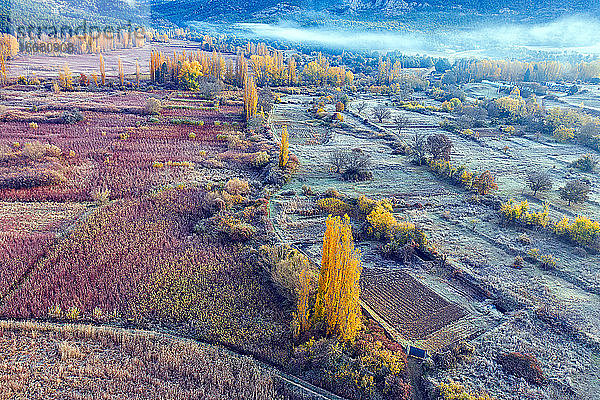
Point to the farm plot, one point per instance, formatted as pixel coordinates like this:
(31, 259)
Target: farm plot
(511, 169)
(83, 361)
(511, 158)
(393, 177)
(466, 230)
(392, 174)
(115, 149)
(48, 66)
(411, 308)
(570, 367)
(136, 256)
(136, 259)
(26, 232)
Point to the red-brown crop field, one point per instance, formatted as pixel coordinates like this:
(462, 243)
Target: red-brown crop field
(134, 254)
(27, 229)
(135, 259)
(115, 149)
(411, 308)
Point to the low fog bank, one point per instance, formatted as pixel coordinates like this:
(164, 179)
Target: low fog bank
(570, 34)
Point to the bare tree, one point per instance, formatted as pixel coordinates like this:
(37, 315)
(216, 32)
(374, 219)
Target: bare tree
(587, 132)
(380, 112)
(361, 106)
(418, 148)
(401, 122)
(338, 159)
(575, 191)
(357, 166)
(440, 146)
(353, 164)
(539, 181)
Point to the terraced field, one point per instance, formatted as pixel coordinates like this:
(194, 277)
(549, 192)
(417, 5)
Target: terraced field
(411, 308)
(478, 274)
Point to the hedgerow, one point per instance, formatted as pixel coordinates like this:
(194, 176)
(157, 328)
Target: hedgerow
(582, 230)
(482, 183)
(456, 391)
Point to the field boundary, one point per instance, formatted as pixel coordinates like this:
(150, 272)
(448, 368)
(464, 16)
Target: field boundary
(62, 235)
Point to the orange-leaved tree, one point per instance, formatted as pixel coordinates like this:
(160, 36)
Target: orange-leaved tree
(121, 72)
(284, 152)
(485, 183)
(337, 305)
(137, 73)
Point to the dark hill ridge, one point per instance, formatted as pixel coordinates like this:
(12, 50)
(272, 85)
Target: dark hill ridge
(181, 11)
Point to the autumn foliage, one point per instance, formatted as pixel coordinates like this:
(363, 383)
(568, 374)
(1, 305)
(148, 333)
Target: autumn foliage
(337, 304)
(121, 72)
(284, 152)
(250, 98)
(102, 70)
(302, 315)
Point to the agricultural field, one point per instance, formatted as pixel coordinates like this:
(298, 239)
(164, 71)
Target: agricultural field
(64, 359)
(111, 197)
(47, 65)
(197, 214)
(381, 289)
(480, 248)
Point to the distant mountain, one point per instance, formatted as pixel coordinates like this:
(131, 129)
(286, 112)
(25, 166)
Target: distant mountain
(73, 12)
(181, 11)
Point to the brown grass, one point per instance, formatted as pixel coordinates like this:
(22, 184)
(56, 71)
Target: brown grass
(50, 361)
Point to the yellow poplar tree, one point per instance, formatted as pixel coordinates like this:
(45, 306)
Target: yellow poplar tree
(102, 71)
(65, 78)
(284, 152)
(152, 65)
(337, 305)
(302, 306)
(137, 73)
(121, 73)
(250, 98)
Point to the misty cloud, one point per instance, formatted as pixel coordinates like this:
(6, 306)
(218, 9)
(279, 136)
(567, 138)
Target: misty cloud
(566, 34)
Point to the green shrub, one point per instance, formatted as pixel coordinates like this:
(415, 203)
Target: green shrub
(260, 159)
(236, 229)
(284, 265)
(186, 121)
